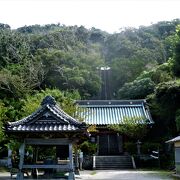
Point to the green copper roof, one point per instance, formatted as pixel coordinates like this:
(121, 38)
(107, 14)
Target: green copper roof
(106, 112)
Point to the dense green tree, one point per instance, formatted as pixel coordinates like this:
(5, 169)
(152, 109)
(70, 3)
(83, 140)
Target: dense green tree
(3, 119)
(125, 70)
(72, 71)
(137, 89)
(164, 104)
(18, 79)
(33, 58)
(131, 41)
(14, 48)
(176, 66)
(82, 34)
(4, 26)
(178, 120)
(64, 99)
(97, 36)
(132, 127)
(169, 92)
(158, 74)
(38, 29)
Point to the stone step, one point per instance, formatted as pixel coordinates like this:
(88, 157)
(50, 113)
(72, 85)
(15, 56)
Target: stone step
(113, 162)
(112, 157)
(100, 163)
(120, 160)
(129, 165)
(113, 168)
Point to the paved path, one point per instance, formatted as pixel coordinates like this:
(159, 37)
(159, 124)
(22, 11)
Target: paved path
(125, 175)
(113, 175)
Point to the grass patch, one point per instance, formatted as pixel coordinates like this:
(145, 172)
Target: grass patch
(164, 173)
(60, 174)
(93, 173)
(160, 173)
(3, 169)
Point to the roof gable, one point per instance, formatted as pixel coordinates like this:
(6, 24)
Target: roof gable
(49, 117)
(173, 140)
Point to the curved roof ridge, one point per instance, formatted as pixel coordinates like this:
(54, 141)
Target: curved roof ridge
(50, 104)
(66, 115)
(111, 102)
(28, 118)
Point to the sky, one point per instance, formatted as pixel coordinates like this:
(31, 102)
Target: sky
(107, 15)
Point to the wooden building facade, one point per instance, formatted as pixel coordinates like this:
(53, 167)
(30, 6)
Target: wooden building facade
(102, 113)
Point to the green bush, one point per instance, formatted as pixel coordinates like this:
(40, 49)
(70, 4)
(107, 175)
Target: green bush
(88, 148)
(130, 147)
(148, 147)
(178, 120)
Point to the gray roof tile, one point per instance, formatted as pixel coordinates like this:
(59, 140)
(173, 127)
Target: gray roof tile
(49, 117)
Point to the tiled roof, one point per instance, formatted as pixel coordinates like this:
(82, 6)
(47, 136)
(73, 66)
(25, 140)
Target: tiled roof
(106, 112)
(49, 117)
(174, 140)
(44, 127)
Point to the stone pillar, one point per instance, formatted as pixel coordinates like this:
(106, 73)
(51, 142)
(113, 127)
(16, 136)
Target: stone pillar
(81, 160)
(20, 175)
(71, 166)
(94, 162)
(9, 163)
(76, 160)
(138, 143)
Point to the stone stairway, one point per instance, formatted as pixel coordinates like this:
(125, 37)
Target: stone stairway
(113, 162)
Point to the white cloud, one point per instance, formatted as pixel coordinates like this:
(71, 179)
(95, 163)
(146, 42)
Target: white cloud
(109, 15)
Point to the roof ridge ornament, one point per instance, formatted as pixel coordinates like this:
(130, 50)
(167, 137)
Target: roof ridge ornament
(48, 100)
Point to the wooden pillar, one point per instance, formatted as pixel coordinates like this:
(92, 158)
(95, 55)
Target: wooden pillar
(20, 174)
(35, 156)
(71, 171)
(108, 144)
(97, 145)
(119, 141)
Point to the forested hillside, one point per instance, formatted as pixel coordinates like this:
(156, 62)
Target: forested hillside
(144, 62)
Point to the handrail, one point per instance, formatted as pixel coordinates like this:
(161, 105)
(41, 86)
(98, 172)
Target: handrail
(133, 162)
(94, 162)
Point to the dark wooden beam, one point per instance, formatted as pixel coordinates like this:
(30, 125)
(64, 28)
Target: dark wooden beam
(62, 167)
(54, 141)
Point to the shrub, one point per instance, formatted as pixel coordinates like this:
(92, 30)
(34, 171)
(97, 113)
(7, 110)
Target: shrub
(130, 147)
(88, 148)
